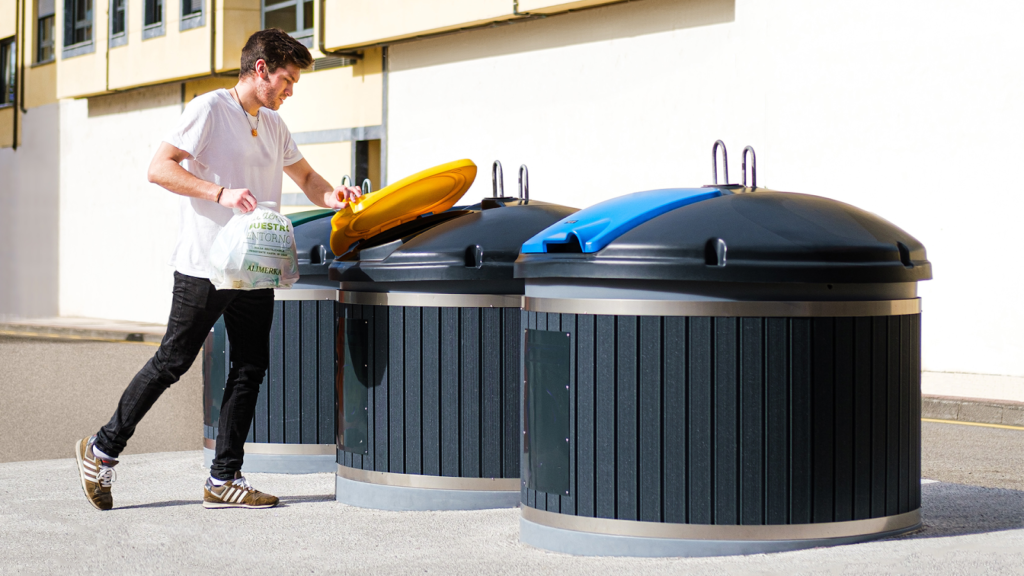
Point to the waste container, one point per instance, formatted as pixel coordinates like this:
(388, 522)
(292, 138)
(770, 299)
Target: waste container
(293, 428)
(720, 370)
(430, 338)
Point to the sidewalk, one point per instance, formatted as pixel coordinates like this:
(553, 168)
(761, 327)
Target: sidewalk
(85, 329)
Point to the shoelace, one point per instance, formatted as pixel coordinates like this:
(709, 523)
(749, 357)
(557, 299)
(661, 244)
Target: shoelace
(106, 476)
(243, 484)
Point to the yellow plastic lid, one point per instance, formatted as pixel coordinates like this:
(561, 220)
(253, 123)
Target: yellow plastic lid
(431, 191)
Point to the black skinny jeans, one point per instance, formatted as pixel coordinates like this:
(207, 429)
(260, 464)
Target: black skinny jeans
(195, 308)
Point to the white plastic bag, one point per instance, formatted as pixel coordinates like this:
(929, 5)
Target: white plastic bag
(255, 250)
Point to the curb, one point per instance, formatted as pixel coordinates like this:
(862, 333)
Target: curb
(981, 411)
(149, 336)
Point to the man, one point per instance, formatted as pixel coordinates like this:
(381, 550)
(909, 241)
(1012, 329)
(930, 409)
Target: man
(234, 147)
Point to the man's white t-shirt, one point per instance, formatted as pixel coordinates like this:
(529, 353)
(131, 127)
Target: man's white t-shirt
(217, 133)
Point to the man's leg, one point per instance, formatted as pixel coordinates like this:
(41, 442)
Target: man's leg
(196, 306)
(248, 319)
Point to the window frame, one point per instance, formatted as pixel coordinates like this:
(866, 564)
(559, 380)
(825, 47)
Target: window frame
(154, 29)
(193, 20)
(121, 38)
(87, 46)
(40, 45)
(8, 66)
(303, 34)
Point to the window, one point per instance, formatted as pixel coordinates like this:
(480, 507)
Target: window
(293, 16)
(44, 31)
(118, 22)
(7, 68)
(191, 14)
(153, 19)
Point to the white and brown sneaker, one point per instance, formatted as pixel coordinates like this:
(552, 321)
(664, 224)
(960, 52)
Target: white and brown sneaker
(236, 493)
(97, 474)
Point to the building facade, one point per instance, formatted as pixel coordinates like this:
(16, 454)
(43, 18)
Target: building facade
(909, 109)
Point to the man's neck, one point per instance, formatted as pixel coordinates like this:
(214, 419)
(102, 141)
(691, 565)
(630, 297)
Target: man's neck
(245, 92)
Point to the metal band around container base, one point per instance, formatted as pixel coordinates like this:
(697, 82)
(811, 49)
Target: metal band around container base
(750, 309)
(762, 532)
(306, 294)
(430, 482)
(281, 449)
(432, 300)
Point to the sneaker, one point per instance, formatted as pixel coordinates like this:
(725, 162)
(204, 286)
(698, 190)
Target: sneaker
(97, 474)
(236, 493)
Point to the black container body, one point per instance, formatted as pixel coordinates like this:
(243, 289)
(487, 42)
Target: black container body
(737, 421)
(442, 395)
(296, 404)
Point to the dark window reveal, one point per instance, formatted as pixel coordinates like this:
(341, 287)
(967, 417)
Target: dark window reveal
(154, 13)
(77, 22)
(117, 17)
(45, 31)
(7, 68)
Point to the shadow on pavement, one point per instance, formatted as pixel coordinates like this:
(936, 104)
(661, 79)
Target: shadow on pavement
(168, 504)
(957, 509)
(287, 500)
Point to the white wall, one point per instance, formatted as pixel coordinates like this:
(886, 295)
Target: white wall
(29, 215)
(117, 229)
(910, 109)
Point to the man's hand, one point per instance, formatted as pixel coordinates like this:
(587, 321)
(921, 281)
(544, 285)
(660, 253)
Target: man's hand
(240, 198)
(339, 198)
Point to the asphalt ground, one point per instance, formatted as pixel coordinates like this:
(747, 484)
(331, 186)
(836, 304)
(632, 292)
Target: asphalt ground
(973, 516)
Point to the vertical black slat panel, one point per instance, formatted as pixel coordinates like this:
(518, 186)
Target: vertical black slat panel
(396, 389)
(275, 398)
(470, 381)
(626, 443)
(327, 368)
(892, 417)
(309, 352)
(700, 402)
(538, 321)
(801, 421)
(650, 499)
(431, 350)
(381, 459)
(554, 324)
(413, 391)
(349, 311)
(823, 386)
(752, 409)
(490, 392)
(511, 378)
(531, 498)
(906, 366)
(844, 419)
(529, 320)
(861, 418)
(568, 502)
(674, 418)
(726, 421)
(777, 422)
(292, 372)
(878, 398)
(604, 480)
(368, 313)
(585, 416)
(449, 391)
(261, 417)
(915, 415)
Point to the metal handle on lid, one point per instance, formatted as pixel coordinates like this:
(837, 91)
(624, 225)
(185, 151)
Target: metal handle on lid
(524, 183)
(346, 181)
(753, 167)
(714, 161)
(497, 180)
(367, 187)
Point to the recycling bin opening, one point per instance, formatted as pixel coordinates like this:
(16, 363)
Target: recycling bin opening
(720, 370)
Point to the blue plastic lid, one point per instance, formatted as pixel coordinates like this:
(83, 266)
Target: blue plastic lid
(596, 227)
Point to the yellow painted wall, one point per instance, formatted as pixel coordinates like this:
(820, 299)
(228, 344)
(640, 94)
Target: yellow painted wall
(7, 127)
(332, 161)
(550, 6)
(173, 56)
(7, 18)
(353, 23)
(346, 97)
(40, 85)
(199, 87)
(84, 75)
(236, 21)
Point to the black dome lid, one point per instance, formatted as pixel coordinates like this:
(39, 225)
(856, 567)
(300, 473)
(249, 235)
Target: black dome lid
(742, 235)
(470, 243)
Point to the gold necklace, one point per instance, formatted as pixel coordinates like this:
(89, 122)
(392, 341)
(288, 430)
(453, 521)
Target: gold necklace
(254, 130)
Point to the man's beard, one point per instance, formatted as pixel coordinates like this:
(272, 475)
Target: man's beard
(264, 96)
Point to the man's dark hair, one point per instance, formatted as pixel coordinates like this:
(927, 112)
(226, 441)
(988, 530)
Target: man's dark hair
(275, 47)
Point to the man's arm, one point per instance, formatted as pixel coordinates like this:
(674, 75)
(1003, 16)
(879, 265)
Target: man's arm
(165, 170)
(318, 190)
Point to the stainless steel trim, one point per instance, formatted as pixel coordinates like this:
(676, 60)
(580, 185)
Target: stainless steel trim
(432, 300)
(306, 294)
(721, 308)
(281, 449)
(716, 532)
(432, 482)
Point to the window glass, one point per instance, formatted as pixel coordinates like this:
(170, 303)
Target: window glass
(307, 14)
(190, 7)
(285, 18)
(7, 61)
(44, 39)
(154, 12)
(117, 20)
(82, 21)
